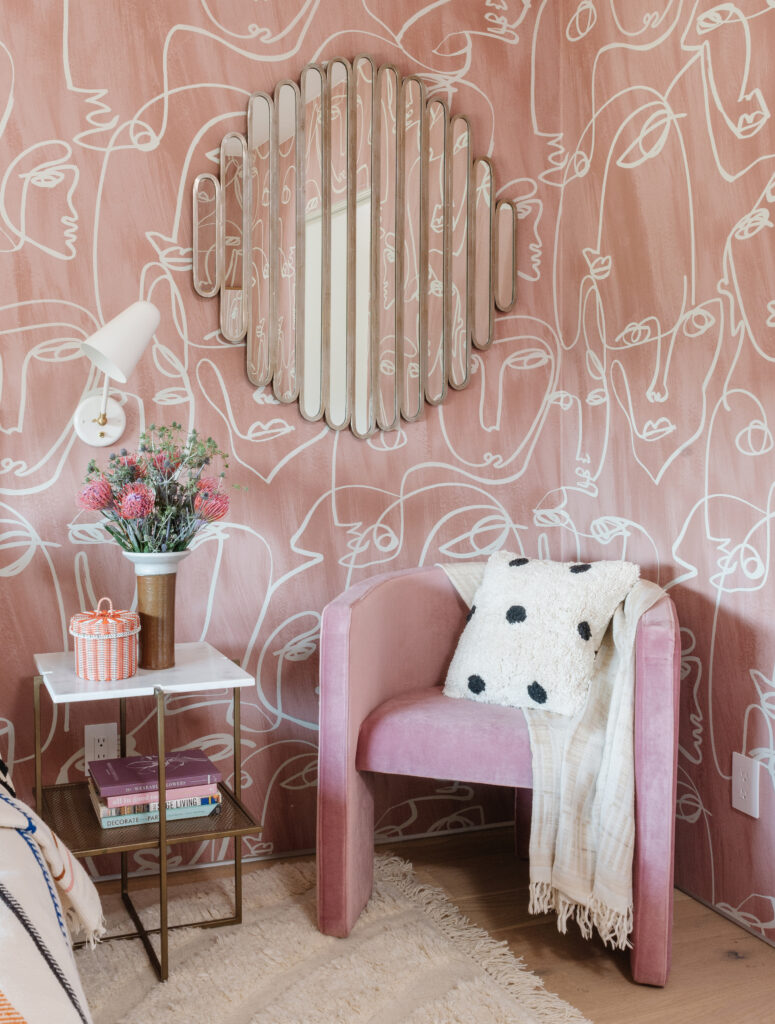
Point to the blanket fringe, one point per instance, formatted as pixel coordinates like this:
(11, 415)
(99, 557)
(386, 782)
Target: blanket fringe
(78, 931)
(613, 926)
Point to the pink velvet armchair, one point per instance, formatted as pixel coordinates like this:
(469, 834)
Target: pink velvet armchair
(384, 652)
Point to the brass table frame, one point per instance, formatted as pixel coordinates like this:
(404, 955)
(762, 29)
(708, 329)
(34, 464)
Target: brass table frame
(142, 837)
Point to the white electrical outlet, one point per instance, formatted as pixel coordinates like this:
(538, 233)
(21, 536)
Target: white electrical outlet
(100, 742)
(745, 784)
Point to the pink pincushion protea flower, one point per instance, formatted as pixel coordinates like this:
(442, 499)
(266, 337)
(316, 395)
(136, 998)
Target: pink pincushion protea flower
(96, 495)
(208, 486)
(166, 463)
(211, 507)
(131, 462)
(136, 501)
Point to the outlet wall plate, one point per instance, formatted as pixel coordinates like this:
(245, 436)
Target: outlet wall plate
(745, 784)
(100, 742)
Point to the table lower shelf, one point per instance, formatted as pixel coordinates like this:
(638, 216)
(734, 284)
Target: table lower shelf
(68, 810)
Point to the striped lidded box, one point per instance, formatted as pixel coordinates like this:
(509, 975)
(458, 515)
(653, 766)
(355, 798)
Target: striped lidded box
(105, 643)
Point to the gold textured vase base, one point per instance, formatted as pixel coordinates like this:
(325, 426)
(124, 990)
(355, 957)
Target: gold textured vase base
(156, 607)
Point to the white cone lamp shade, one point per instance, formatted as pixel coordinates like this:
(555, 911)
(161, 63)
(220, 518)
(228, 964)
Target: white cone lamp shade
(115, 349)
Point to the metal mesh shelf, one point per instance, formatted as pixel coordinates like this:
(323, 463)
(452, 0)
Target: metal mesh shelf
(68, 810)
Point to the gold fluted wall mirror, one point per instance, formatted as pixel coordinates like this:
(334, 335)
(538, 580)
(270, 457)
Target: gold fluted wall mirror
(355, 243)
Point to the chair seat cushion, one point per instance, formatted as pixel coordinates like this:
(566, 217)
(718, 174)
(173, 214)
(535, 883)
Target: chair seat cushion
(426, 734)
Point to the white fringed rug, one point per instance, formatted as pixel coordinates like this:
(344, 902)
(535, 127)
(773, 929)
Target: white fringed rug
(412, 958)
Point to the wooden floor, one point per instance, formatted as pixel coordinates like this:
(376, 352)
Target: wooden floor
(720, 974)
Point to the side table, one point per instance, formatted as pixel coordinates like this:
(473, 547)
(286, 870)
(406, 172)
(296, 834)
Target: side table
(67, 807)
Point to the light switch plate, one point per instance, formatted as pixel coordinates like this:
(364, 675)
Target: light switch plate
(745, 784)
(100, 742)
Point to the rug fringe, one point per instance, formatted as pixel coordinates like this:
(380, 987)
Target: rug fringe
(277, 967)
(495, 957)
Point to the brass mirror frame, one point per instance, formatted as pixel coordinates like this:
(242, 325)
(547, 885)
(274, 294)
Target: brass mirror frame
(200, 202)
(503, 304)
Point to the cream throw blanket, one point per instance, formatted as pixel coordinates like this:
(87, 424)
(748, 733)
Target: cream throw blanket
(583, 820)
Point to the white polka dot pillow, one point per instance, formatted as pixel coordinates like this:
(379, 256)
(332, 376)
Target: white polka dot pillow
(534, 629)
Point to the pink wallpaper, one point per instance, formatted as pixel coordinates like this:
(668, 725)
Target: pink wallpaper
(623, 410)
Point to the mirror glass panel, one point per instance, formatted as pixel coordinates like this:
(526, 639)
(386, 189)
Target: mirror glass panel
(341, 245)
(482, 254)
(207, 224)
(355, 243)
(437, 216)
(388, 81)
(259, 365)
(505, 255)
(311, 260)
(286, 218)
(411, 248)
(362, 419)
(236, 232)
(459, 327)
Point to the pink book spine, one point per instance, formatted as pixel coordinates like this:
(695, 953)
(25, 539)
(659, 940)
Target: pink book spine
(182, 793)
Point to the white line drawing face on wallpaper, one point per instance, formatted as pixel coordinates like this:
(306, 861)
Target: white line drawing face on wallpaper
(635, 146)
(39, 354)
(37, 200)
(116, 107)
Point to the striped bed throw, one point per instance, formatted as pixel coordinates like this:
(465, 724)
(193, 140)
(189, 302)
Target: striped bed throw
(45, 898)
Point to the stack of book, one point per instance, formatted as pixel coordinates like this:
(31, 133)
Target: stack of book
(125, 790)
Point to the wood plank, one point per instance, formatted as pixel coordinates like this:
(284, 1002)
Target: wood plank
(720, 973)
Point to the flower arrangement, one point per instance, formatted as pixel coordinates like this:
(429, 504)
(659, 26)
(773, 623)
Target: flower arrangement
(158, 498)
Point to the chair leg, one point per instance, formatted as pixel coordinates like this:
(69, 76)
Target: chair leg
(345, 847)
(523, 809)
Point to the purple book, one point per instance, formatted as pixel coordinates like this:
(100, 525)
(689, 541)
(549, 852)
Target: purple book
(140, 773)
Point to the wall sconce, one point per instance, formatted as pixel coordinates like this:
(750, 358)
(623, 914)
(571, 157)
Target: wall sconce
(115, 349)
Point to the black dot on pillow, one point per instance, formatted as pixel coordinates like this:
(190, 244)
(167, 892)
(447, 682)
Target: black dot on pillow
(519, 561)
(476, 684)
(516, 613)
(537, 693)
(582, 567)
(584, 631)
(471, 613)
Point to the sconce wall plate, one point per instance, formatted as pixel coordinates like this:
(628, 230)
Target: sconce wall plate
(87, 421)
(355, 244)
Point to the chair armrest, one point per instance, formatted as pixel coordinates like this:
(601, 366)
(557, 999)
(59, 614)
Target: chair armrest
(392, 633)
(657, 674)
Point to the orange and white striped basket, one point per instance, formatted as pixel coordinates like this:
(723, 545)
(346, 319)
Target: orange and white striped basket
(105, 643)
